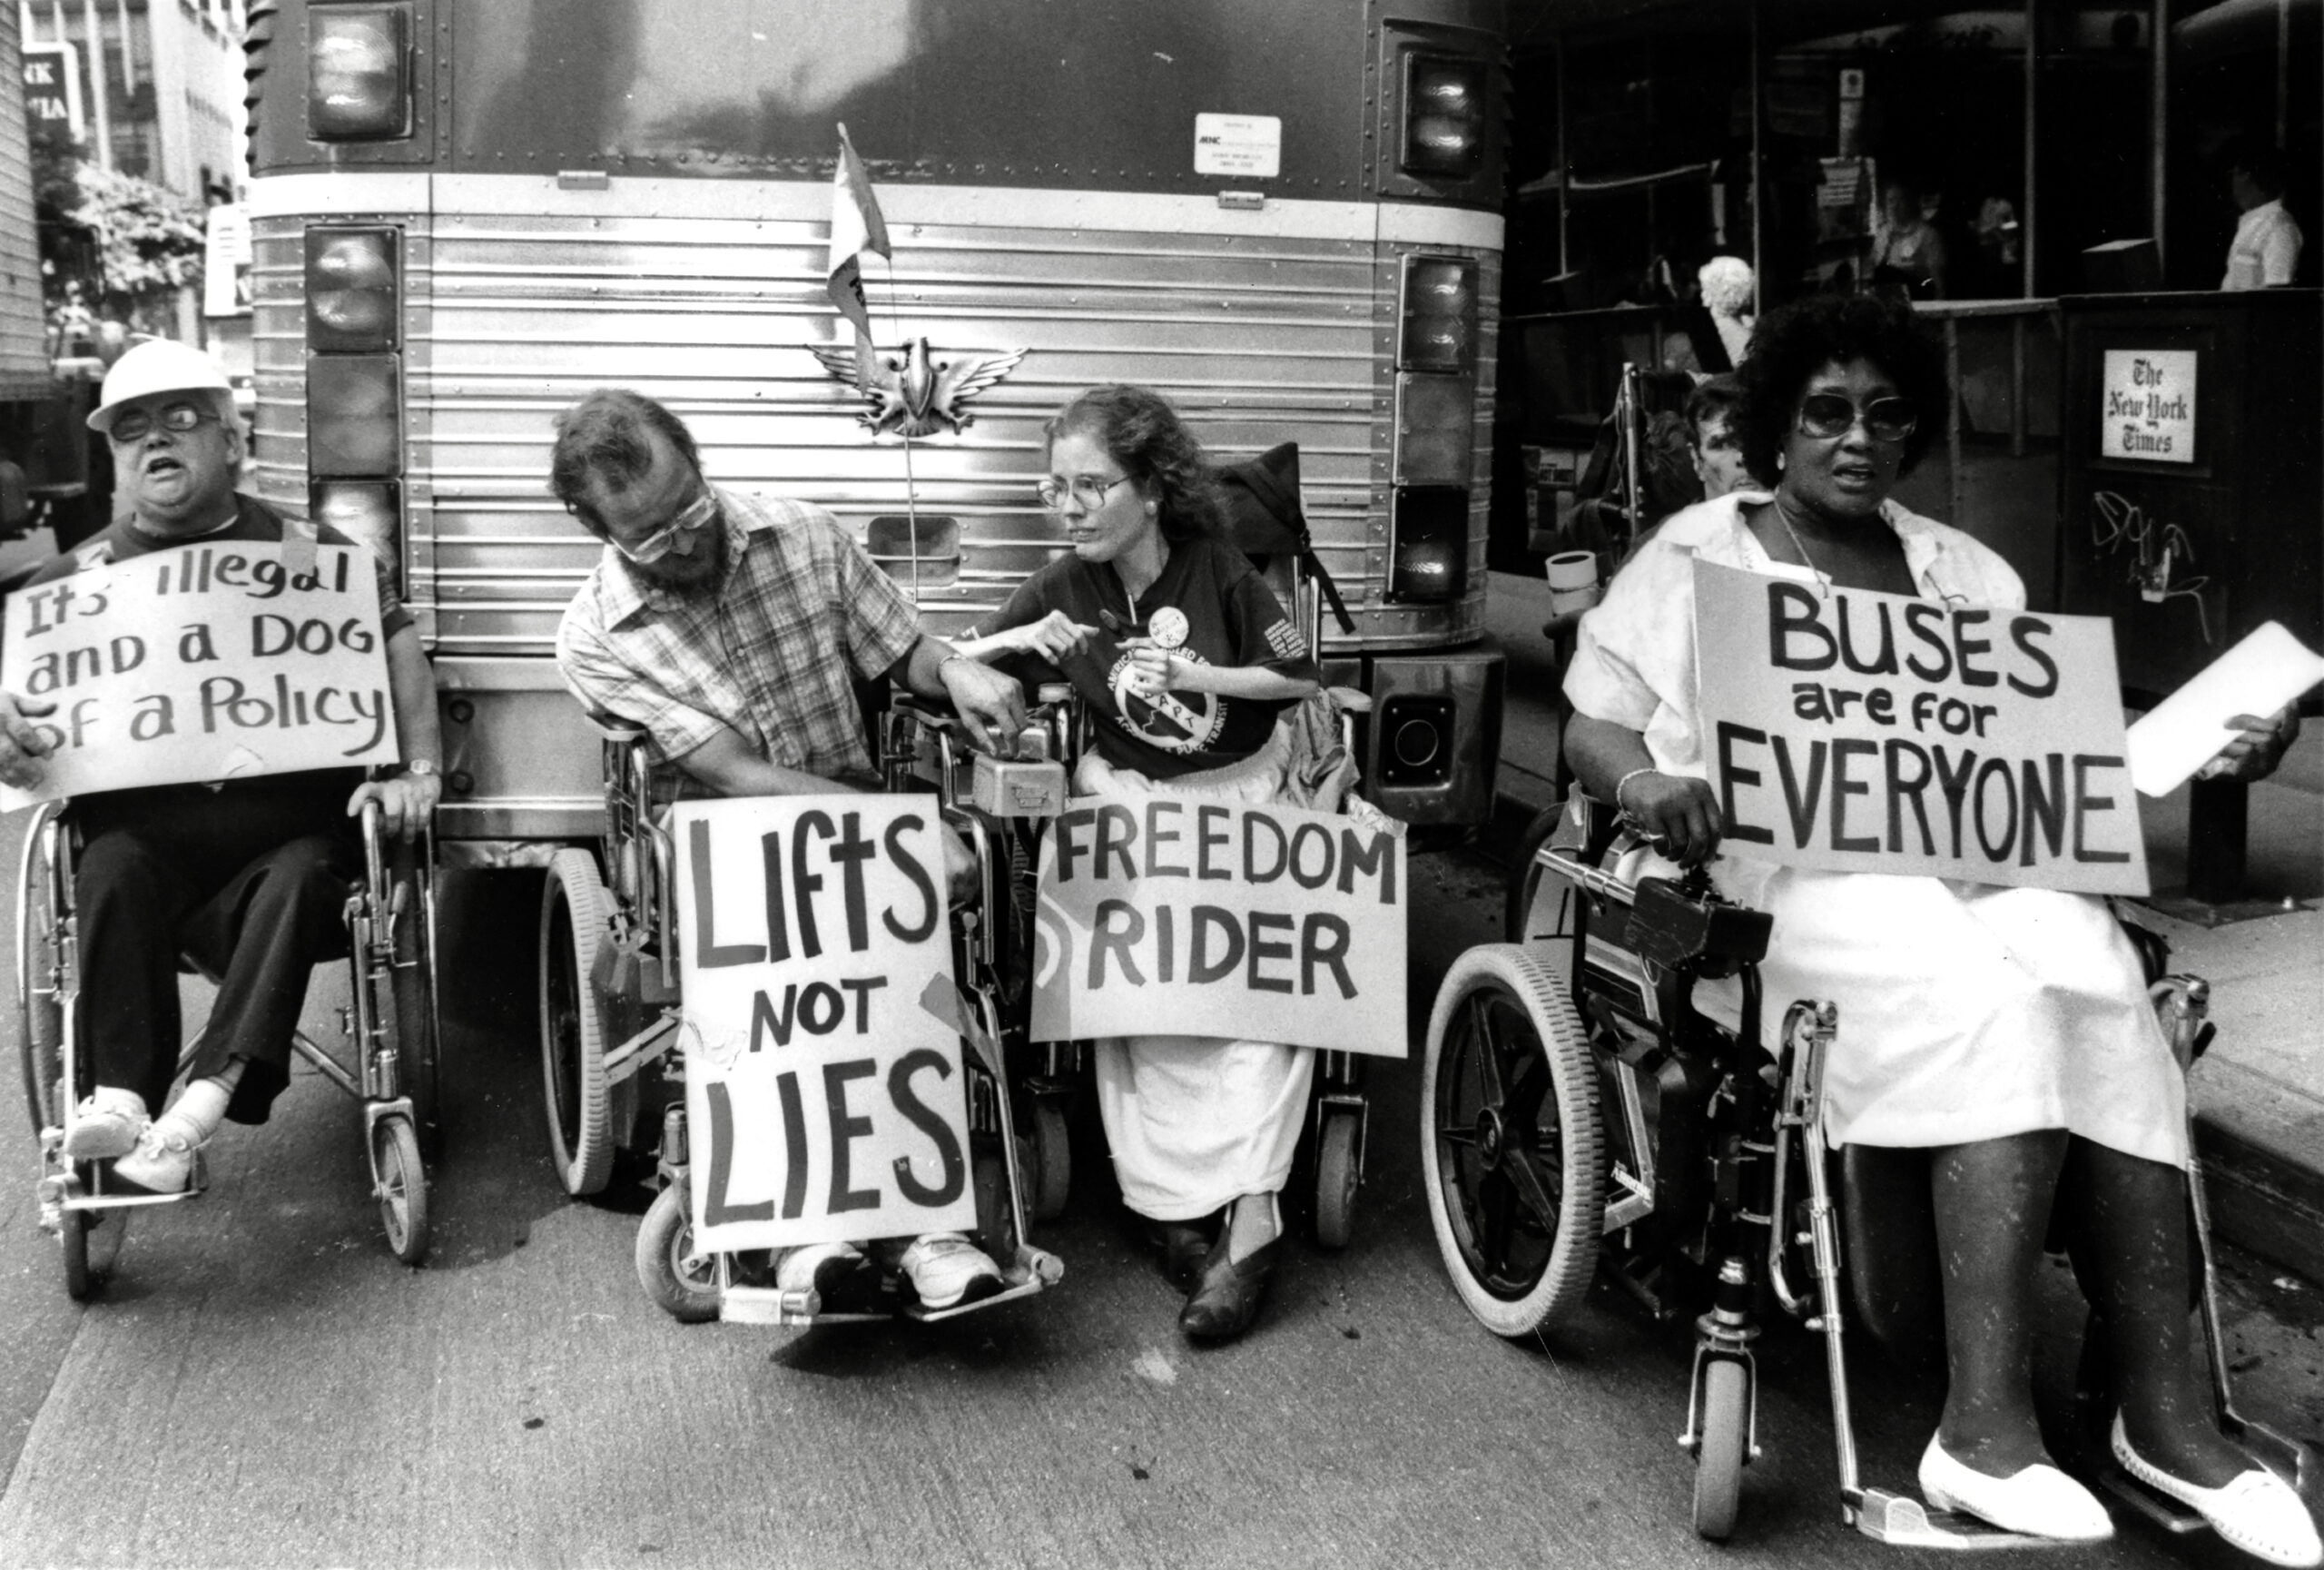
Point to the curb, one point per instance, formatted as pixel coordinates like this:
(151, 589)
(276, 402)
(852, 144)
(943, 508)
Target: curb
(2261, 1176)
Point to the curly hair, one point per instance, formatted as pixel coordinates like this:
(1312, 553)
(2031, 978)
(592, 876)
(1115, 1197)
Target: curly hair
(1794, 342)
(607, 436)
(1142, 433)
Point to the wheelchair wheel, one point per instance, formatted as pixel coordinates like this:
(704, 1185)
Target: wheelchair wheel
(1724, 1427)
(40, 1011)
(1338, 1172)
(402, 1188)
(688, 1293)
(80, 1282)
(419, 1045)
(1512, 1151)
(1049, 1174)
(572, 1044)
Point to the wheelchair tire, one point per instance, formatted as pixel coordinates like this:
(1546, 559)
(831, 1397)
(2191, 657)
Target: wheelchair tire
(418, 1041)
(1338, 1173)
(1051, 1171)
(664, 1239)
(573, 1041)
(40, 1013)
(80, 1282)
(1512, 1148)
(402, 1191)
(1723, 1426)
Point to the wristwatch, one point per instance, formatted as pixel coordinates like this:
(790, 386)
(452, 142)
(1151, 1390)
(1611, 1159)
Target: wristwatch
(421, 767)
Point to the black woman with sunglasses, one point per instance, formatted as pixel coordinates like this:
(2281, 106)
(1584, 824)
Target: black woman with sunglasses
(1998, 1039)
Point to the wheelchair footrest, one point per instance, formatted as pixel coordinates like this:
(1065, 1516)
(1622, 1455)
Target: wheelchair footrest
(1905, 1522)
(2154, 1507)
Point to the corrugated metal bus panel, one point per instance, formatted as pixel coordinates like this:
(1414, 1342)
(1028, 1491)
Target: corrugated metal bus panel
(1290, 339)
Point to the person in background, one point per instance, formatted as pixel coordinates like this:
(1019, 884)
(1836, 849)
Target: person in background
(1718, 450)
(251, 875)
(2266, 249)
(1187, 661)
(731, 630)
(1909, 253)
(1729, 293)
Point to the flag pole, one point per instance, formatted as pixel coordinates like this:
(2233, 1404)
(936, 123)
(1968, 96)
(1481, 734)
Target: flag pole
(912, 500)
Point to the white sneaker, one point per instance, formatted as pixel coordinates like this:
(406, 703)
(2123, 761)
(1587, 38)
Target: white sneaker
(947, 1271)
(816, 1267)
(107, 1125)
(2256, 1511)
(163, 1162)
(2038, 1500)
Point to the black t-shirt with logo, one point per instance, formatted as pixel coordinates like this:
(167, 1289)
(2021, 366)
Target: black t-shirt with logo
(1231, 618)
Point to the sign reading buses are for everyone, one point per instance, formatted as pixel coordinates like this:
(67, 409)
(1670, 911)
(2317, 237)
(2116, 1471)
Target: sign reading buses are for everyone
(824, 1101)
(1160, 914)
(205, 661)
(1852, 731)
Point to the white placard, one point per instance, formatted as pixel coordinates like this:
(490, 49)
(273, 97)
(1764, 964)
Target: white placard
(2147, 405)
(203, 662)
(2185, 730)
(824, 1095)
(1249, 145)
(1212, 918)
(226, 260)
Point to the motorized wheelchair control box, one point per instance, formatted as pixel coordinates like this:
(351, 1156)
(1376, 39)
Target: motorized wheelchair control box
(1670, 927)
(1031, 785)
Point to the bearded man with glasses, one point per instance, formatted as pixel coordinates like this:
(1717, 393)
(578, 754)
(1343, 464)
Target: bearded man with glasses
(251, 875)
(732, 629)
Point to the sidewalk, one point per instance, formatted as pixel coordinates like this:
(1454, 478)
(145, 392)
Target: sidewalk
(2258, 1093)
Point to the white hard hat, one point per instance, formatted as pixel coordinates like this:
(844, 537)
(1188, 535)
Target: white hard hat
(161, 365)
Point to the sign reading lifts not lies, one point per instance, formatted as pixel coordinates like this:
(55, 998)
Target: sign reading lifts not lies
(824, 1095)
(1163, 915)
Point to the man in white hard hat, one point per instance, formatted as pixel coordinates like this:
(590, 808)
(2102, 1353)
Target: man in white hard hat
(249, 874)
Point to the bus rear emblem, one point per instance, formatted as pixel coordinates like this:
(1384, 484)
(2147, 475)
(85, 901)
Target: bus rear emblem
(913, 395)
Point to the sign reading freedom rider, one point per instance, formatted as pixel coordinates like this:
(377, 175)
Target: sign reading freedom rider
(825, 1100)
(204, 662)
(1852, 731)
(1211, 918)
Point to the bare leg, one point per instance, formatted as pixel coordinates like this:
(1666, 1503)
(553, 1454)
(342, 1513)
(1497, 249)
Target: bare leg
(1993, 1203)
(2135, 1259)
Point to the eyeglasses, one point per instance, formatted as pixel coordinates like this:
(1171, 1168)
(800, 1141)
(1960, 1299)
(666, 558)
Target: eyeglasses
(1827, 415)
(137, 424)
(1088, 489)
(678, 534)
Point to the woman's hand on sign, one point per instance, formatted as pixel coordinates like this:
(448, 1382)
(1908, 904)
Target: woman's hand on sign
(2258, 747)
(1054, 636)
(1678, 813)
(24, 745)
(405, 802)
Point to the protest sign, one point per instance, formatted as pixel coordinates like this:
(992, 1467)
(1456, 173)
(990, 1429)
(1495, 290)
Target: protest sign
(824, 1099)
(1853, 731)
(1212, 918)
(204, 662)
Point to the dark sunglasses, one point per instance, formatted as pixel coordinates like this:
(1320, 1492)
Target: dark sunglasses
(137, 424)
(1827, 415)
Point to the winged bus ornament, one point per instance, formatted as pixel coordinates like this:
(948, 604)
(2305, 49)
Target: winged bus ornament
(912, 394)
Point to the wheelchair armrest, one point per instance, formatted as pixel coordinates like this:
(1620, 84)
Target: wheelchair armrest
(1672, 928)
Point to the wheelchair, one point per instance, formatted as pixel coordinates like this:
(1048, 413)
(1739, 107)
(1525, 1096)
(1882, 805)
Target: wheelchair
(1582, 1110)
(609, 1011)
(387, 1058)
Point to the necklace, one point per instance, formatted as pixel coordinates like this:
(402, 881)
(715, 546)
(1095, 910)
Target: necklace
(1783, 516)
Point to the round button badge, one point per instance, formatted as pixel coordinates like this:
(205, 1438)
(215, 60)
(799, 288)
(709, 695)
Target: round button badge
(1168, 626)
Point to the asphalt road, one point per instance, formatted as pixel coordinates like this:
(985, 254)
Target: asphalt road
(260, 1384)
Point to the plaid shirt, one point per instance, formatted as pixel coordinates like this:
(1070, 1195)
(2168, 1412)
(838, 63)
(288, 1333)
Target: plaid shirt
(769, 653)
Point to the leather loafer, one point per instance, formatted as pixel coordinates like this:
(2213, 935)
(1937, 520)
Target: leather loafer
(1186, 1246)
(2039, 1501)
(1226, 1299)
(2257, 1510)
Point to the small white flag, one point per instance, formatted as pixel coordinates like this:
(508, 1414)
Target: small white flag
(856, 228)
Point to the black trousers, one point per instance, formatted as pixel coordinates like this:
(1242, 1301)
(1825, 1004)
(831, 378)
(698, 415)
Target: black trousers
(251, 881)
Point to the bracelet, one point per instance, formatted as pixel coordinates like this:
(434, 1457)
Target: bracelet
(1625, 780)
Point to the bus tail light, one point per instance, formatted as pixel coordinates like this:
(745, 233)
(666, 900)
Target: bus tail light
(351, 292)
(1439, 314)
(366, 512)
(1444, 115)
(1436, 428)
(358, 73)
(1429, 545)
(353, 421)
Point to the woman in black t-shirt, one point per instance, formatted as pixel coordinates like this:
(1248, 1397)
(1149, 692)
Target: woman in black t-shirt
(1187, 661)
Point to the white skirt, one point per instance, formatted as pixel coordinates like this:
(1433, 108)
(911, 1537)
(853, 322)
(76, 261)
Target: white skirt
(1195, 1122)
(1969, 1012)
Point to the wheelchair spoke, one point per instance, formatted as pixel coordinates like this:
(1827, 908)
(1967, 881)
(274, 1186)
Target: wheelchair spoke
(1496, 1215)
(1488, 1045)
(1533, 1186)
